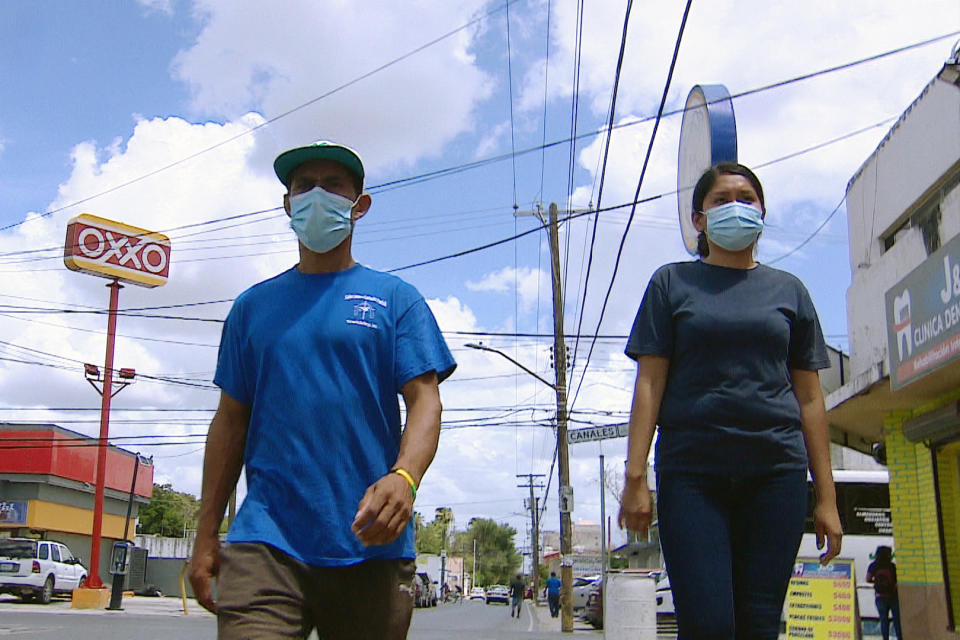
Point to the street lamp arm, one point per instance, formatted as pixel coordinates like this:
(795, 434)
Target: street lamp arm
(481, 347)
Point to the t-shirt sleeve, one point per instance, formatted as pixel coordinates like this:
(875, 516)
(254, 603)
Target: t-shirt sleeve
(808, 350)
(652, 332)
(420, 346)
(231, 375)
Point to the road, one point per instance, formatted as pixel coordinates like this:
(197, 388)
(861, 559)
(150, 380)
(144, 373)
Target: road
(162, 619)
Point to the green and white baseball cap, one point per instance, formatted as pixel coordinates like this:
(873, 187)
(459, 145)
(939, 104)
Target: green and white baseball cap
(287, 161)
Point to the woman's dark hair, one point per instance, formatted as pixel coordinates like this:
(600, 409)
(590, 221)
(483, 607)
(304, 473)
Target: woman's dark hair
(706, 182)
(883, 554)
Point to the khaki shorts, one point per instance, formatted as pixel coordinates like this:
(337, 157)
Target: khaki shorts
(264, 593)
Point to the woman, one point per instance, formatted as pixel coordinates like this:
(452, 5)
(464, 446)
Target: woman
(882, 572)
(727, 355)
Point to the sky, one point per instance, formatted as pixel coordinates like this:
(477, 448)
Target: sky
(167, 114)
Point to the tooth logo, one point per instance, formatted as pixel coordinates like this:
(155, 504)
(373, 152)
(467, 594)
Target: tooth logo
(901, 323)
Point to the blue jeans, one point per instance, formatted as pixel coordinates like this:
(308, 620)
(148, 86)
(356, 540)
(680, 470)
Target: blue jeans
(729, 544)
(885, 607)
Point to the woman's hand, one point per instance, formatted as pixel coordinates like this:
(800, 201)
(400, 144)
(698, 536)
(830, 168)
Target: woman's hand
(636, 506)
(826, 524)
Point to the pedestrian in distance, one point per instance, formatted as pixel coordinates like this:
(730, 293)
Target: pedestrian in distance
(516, 595)
(882, 572)
(728, 352)
(311, 366)
(553, 594)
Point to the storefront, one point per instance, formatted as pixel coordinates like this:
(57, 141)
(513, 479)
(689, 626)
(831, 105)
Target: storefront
(902, 402)
(47, 476)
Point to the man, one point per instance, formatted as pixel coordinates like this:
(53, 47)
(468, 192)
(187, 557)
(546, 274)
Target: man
(310, 367)
(553, 594)
(516, 595)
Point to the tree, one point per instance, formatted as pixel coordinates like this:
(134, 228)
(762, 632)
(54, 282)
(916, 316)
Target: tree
(497, 557)
(169, 512)
(431, 538)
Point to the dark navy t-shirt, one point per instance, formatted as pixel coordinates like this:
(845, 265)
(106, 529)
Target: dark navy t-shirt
(320, 359)
(732, 337)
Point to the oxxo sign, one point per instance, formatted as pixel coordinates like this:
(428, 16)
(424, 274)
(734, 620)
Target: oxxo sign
(111, 249)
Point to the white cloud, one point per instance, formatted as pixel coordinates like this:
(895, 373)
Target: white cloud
(160, 6)
(531, 285)
(308, 49)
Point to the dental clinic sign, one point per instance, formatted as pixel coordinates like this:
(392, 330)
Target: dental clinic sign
(923, 317)
(112, 250)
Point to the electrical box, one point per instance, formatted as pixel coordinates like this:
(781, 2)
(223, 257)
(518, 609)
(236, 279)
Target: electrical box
(566, 499)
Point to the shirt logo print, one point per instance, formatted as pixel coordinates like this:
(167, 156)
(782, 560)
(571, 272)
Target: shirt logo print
(364, 313)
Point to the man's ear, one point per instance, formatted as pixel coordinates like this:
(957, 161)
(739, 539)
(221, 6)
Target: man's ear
(362, 206)
(286, 203)
(699, 221)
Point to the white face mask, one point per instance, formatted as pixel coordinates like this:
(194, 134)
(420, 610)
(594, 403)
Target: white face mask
(321, 220)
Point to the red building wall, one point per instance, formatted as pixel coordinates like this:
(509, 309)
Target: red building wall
(52, 450)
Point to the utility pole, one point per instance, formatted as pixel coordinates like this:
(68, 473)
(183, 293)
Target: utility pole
(534, 506)
(563, 461)
(565, 492)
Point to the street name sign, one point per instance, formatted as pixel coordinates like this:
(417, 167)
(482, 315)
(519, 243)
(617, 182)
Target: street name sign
(590, 434)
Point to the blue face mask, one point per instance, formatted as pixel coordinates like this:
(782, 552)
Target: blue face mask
(734, 226)
(321, 220)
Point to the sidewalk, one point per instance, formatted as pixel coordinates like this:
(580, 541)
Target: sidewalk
(546, 624)
(137, 605)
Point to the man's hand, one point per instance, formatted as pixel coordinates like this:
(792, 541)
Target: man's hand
(636, 506)
(826, 523)
(204, 565)
(384, 511)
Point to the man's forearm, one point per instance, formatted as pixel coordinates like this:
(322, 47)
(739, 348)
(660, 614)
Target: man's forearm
(222, 462)
(421, 435)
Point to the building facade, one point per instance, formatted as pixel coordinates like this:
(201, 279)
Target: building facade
(902, 399)
(47, 484)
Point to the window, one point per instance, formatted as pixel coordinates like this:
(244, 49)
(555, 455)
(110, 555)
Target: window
(55, 552)
(65, 555)
(44, 552)
(926, 218)
(864, 508)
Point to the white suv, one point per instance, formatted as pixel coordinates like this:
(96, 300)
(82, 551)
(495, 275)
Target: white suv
(37, 569)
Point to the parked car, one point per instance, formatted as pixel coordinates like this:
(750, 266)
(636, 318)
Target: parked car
(477, 593)
(430, 595)
(38, 569)
(498, 593)
(593, 611)
(664, 596)
(581, 590)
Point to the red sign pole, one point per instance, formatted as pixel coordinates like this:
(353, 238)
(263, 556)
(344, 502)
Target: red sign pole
(93, 581)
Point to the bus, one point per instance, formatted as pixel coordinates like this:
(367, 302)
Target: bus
(863, 500)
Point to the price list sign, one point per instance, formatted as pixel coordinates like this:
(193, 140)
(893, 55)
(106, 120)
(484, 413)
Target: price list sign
(822, 601)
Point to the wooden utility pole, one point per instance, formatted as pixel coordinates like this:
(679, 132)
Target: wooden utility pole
(534, 506)
(565, 491)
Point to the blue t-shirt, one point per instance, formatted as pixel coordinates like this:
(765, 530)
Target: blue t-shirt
(732, 336)
(320, 360)
(553, 585)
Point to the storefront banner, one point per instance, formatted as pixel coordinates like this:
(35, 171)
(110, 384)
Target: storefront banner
(822, 601)
(923, 317)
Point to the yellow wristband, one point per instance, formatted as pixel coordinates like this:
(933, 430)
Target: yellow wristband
(403, 473)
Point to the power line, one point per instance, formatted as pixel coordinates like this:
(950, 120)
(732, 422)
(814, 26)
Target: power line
(603, 172)
(643, 171)
(269, 121)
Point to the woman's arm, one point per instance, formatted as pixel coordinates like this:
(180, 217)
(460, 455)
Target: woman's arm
(816, 437)
(636, 506)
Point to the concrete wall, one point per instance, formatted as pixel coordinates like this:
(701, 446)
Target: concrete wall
(918, 151)
(164, 547)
